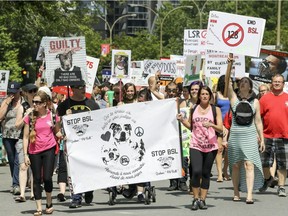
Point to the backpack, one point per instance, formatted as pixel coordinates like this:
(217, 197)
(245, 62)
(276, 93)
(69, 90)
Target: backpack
(243, 113)
(214, 116)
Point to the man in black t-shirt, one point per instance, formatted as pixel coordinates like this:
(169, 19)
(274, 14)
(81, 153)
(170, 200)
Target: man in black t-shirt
(76, 104)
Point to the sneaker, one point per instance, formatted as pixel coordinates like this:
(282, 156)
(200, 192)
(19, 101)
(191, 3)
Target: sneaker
(183, 187)
(195, 204)
(61, 197)
(281, 192)
(141, 198)
(267, 183)
(16, 191)
(75, 204)
(88, 197)
(172, 188)
(202, 205)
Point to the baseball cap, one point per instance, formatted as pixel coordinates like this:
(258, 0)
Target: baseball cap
(13, 87)
(29, 87)
(46, 90)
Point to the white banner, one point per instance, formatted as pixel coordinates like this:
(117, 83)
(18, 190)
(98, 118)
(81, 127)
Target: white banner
(122, 145)
(216, 64)
(235, 33)
(194, 42)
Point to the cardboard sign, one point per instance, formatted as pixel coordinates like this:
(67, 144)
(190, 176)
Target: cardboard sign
(234, 33)
(4, 79)
(65, 60)
(192, 69)
(195, 42)
(165, 67)
(270, 62)
(216, 64)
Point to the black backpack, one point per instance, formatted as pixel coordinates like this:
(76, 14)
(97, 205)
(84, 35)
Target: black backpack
(243, 113)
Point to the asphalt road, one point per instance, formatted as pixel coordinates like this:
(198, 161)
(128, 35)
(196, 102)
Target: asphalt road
(167, 203)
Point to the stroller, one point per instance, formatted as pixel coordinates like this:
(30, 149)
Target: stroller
(149, 193)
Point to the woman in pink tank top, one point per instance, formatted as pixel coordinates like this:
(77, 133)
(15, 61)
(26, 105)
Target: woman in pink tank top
(204, 145)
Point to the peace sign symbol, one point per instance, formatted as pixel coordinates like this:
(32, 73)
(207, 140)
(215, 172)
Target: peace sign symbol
(139, 131)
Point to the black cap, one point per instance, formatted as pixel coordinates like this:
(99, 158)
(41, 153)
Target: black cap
(29, 87)
(13, 87)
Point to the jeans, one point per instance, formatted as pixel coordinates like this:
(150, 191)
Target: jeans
(10, 146)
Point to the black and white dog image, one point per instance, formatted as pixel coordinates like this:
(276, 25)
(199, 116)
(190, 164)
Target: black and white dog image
(166, 162)
(3, 77)
(121, 133)
(80, 129)
(66, 60)
(109, 152)
(66, 64)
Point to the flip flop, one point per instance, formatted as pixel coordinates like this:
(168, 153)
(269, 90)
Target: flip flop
(250, 201)
(219, 180)
(20, 199)
(236, 199)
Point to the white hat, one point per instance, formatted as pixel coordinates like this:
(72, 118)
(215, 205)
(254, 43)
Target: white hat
(46, 90)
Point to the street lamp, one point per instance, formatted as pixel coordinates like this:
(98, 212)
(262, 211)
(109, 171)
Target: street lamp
(111, 27)
(162, 21)
(147, 7)
(200, 12)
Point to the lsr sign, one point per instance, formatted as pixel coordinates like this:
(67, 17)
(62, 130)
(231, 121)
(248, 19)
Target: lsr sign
(197, 33)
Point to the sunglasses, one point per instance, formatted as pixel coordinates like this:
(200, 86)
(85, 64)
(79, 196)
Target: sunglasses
(79, 87)
(32, 91)
(37, 102)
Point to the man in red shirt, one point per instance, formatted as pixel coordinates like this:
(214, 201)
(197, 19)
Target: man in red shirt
(274, 112)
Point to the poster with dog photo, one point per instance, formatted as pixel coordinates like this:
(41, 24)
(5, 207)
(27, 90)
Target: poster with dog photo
(121, 60)
(122, 146)
(65, 60)
(4, 83)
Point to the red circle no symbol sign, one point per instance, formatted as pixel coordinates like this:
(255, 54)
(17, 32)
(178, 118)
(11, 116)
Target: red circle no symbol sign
(233, 34)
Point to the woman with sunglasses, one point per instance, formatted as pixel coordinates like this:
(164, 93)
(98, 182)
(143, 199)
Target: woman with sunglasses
(203, 145)
(28, 91)
(39, 148)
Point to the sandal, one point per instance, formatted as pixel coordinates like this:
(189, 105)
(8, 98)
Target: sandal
(250, 201)
(38, 213)
(20, 199)
(49, 209)
(236, 199)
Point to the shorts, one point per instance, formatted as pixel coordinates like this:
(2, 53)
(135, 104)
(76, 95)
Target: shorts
(19, 149)
(278, 148)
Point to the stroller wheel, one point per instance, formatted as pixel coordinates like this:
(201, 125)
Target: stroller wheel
(112, 200)
(153, 194)
(147, 196)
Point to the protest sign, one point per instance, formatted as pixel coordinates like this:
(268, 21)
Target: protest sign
(120, 145)
(216, 64)
(269, 63)
(195, 42)
(92, 67)
(180, 64)
(192, 69)
(121, 60)
(235, 34)
(165, 67)
(65, 60)
(138, 77)
(4, 82)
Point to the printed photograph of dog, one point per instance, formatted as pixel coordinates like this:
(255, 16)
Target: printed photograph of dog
(165, 162)
(3, 78)
(123, 142)
(66, 64)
